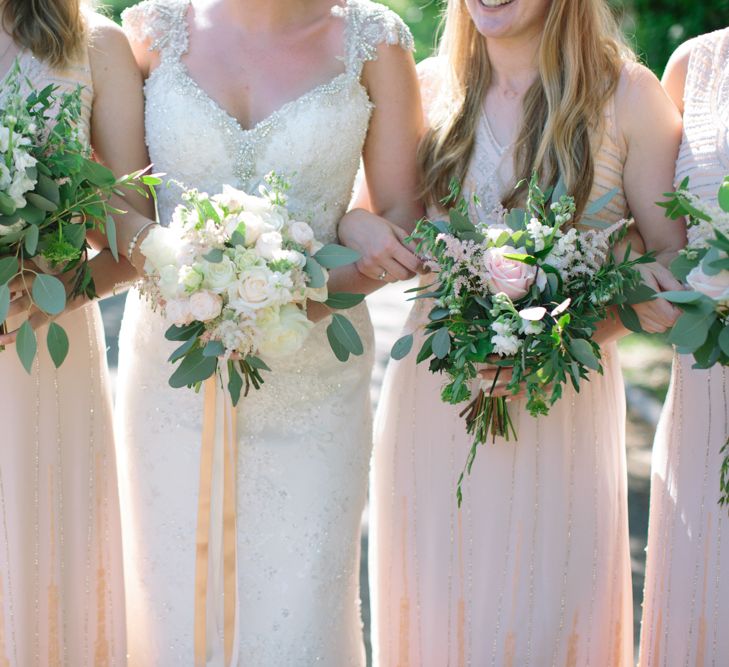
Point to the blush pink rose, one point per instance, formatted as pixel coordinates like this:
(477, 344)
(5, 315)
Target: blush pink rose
(716, 287)
(509, 276)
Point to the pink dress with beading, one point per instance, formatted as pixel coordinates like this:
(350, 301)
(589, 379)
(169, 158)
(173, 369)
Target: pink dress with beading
(534, 569)
(686, 607)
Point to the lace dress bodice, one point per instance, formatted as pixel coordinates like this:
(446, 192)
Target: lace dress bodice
(704, 154)
(315, 140)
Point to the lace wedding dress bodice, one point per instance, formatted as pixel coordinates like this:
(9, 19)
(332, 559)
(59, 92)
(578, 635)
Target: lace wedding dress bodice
(304, 439)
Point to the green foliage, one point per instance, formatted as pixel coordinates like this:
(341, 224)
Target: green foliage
(655, 27)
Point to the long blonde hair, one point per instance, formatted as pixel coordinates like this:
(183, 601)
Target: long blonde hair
(581, 54)
(53, 30)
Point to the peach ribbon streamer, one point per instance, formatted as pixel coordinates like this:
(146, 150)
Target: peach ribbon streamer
(204, 519)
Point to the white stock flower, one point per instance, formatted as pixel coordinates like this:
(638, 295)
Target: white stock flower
(287, 335)
(205, 305)
(505, 346)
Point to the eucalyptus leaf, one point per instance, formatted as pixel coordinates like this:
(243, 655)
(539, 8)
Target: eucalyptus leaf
(332, 256)
(57, 341)
(175, 333)
(32, 215)
(692, 329)
(681, 267)
(214, 348)
(595, 207)
(41, 203)
(98, 174)
(8, 269)
(111, 237)
(316, 274)
(194, 368)
(343, 330)
(7, 204)
(629, 318)
(48, 189)
(257, 363)
(215, 256)
(441, 343)
(235, 383)
(680, 296)
(30, 240)
(26, 345)
(182, 350)
(724, 195)
(402, 347)
(340, 352)
(583, 352)
(723, 340)
(4, 302)
(49, 294)
(344, 300)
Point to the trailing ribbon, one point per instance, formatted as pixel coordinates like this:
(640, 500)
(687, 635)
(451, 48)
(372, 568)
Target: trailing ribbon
(205, 522)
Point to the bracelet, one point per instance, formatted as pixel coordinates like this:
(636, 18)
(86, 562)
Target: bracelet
(133, 243)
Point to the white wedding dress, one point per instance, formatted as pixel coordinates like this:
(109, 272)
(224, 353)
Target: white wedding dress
(305, 439)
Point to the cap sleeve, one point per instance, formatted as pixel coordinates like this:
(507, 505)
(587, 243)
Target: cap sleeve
(161, 24)
(370, 24)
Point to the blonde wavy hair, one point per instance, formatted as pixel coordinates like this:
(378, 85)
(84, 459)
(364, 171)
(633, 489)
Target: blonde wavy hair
(53, 30)
(581, 55)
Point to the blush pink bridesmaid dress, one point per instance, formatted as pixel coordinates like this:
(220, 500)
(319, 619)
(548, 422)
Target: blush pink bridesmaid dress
(61, 584)
(686, 607)
(534, 569)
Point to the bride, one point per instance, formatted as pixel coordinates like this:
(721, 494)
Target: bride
(234, 90)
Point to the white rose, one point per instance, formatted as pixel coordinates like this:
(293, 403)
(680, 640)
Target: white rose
(268, 244)
(190, 277)
(275, 218)
(178, 311)
(160, 248)
(301, 233)
(291, 256)
(205, 305)
(287, 335)
(716, 287)
(253, 291)
(237, 200)
(253, 227)
(219, 275)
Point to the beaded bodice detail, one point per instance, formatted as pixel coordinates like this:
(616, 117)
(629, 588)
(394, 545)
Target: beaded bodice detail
(315, 140)
(704, 154)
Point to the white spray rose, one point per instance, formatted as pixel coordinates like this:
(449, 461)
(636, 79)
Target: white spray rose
(301, 233)
(268, 244)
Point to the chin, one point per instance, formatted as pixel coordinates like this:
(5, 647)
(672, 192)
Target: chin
(496, 18)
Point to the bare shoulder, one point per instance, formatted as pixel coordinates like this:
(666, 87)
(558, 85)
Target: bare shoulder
(676, 72)
(110, 54)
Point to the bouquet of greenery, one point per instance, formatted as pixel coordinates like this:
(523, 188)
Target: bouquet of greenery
(526, 294)
(703, 328)
(233, 273)
(51, 195)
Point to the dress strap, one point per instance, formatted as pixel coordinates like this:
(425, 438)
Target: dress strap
(370, 24)
(162, 24)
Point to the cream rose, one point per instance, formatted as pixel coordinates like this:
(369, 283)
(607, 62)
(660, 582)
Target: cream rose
(254, 290)
(715, 287)
(509, 276)
(253, 227)
(287, 335)
(205, 305)
(160, 247)
(218, 275)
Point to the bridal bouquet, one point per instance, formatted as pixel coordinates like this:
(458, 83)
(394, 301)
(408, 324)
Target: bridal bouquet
(703, 329)
(51, 195)
(525, 294)
(233, 272)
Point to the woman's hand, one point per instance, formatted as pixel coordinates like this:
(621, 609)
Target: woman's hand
(498, 378)
(385, 254)
(657, 315)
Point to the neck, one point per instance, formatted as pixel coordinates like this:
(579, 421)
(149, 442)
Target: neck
(514, 62)
(270, 15)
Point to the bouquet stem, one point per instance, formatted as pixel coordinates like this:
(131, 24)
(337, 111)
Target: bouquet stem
(724, 476)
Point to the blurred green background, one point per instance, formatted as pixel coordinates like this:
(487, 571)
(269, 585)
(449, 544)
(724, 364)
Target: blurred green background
(656, 27)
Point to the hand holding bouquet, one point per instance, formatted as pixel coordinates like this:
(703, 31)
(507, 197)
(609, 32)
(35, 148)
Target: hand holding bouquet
(525, 294)
(51, 195)
(234, 272)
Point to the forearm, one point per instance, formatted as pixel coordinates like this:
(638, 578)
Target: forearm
(610, 330)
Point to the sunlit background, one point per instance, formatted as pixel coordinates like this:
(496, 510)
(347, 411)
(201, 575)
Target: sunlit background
(655, 28)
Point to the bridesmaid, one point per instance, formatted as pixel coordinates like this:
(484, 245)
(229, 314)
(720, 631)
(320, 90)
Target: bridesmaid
(686, 608)
(535, 568)
(61, 583)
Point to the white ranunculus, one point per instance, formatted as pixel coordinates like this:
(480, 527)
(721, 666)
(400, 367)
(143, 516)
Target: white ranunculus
(301, 233)
(253, 291)
(205, 305)
(190, 277)
(268, 243)
(160, 248)
(178, 311)
(287, 335)
(716, 287)
(291, 256)
(219, 275)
